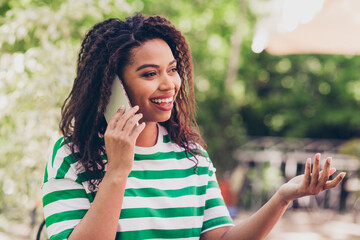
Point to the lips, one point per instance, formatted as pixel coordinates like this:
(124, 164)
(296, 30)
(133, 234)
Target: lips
(164, 102)
(161, 100)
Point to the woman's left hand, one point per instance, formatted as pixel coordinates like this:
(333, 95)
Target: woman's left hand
(311, 182)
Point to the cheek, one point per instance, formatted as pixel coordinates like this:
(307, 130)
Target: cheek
(144, 92)
(131, 95)
(139, 98)
(135, 97)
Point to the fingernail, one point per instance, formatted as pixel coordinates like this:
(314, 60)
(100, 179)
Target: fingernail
(136, 107)
(121, 108)
(329, 160)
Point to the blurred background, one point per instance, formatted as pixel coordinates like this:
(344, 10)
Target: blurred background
(276, 81)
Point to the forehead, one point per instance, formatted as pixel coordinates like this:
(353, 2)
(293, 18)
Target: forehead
(155, 51)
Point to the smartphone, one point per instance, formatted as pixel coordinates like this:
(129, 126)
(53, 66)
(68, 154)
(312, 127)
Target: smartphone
(117, 99)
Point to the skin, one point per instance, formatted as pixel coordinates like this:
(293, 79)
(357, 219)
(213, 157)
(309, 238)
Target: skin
(258, 226)
(152, 74)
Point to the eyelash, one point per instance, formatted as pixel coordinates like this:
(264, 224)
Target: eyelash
(151, 74)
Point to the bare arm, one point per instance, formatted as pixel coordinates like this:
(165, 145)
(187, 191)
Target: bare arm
(260, 224)
(101, 220)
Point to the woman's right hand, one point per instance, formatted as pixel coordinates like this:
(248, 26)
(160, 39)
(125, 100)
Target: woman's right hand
(120, 138)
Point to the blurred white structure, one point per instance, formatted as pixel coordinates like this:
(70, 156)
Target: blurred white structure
(309, 26)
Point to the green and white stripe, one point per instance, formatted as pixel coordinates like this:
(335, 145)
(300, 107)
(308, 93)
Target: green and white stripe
(165, 197)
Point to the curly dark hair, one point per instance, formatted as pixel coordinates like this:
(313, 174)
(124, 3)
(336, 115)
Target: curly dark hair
(105, 51)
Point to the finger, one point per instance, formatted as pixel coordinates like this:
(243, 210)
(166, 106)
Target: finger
(307, 174)
(315, 170)
(137, 130)
(131, 123)
(333, 183)
(124, 118)
(114, 119)
(332, 171)
(325, 173)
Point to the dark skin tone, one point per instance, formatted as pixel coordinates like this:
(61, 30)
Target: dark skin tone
(258, 226)
(152, 83)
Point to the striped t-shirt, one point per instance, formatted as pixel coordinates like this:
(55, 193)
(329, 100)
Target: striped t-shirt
(165, 196)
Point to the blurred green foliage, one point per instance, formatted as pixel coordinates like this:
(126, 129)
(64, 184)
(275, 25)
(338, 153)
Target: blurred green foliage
(351, 147)
(297, 96)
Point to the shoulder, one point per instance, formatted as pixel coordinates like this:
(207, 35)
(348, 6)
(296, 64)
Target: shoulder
(62, 162)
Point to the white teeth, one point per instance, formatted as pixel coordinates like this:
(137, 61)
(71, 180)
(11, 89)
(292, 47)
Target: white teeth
(166, 100)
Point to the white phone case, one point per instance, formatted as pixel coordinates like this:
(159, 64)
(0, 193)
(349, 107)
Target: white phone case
(117, 99)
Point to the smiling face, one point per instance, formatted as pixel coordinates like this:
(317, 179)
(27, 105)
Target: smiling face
(152, 81)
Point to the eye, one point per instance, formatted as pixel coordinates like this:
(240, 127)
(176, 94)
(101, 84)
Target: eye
(149, 74)
(174, 69)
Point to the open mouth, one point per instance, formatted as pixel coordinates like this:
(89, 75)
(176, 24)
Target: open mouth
(164, 104)
(162, 100)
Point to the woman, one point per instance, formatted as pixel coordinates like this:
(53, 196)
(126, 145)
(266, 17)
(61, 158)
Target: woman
(151, 180)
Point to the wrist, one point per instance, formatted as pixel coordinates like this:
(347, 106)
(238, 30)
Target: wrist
(116, 176)
(282, 199)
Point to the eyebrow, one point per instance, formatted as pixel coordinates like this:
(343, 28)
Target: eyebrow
(152, 65)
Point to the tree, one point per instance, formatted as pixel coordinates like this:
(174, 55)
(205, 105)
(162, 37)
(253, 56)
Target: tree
(39, 43)
(297, 96)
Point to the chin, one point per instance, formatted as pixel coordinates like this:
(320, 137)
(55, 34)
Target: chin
(162, 118)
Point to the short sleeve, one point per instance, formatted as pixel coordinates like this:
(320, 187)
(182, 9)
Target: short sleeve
(65, 200)
(216, 214)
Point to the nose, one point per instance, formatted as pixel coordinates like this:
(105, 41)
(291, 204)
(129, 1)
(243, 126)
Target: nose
(167, 82)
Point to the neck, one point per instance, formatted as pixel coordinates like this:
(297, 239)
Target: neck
(148, 137)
